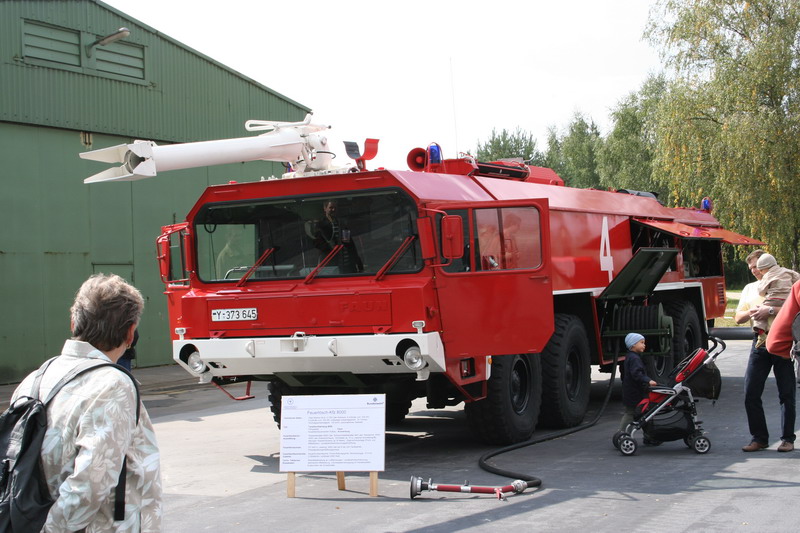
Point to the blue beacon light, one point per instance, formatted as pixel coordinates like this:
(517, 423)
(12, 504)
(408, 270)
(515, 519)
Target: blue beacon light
(434, 154)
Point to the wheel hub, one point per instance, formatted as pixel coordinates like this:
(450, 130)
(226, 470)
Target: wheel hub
(520, 386)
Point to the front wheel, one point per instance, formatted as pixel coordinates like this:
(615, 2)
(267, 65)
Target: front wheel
(396, 409)
(277, 390)
(615, 439)
(701, 444)
(627, 445)
(510, 410)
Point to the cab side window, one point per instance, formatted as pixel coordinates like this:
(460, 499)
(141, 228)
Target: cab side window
(507, 238)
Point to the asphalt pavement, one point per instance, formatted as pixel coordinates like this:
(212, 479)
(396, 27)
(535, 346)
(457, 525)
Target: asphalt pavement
(220, 470)
(220, 461)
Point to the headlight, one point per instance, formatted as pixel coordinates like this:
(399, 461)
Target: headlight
(413, 359)
(195, 363)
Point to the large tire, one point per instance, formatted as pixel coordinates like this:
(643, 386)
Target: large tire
(687, 336)
(399, 395)
(396, 409)
(510, 410)
(277, 390)
(566, 374)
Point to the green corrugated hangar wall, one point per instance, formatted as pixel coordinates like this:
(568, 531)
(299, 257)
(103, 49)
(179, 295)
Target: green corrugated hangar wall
(60, 96)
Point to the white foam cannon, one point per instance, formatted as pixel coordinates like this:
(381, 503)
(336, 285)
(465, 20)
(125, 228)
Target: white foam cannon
(297, 143)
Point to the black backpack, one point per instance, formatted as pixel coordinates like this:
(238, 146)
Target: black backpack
(24, 497)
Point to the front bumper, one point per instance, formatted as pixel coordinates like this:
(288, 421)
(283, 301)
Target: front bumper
(356, 354)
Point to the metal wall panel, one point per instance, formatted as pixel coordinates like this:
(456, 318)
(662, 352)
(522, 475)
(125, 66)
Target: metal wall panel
(184, 95)
(58, 231)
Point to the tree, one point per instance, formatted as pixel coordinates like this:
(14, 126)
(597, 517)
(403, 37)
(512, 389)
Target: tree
(729, 126)
(625, 157)
(553, 157)
(578, 149)
(509, 145)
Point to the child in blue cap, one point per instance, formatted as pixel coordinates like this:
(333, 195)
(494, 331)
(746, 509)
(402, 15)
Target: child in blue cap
(635, 381)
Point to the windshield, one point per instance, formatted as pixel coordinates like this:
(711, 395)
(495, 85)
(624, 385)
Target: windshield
(355, 234)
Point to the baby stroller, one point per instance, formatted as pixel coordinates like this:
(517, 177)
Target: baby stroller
(669, 412)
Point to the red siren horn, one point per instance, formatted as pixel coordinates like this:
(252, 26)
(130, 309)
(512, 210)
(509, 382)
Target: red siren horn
(417, 159)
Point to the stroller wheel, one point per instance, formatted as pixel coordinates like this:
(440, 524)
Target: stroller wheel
(688, 440)
(615, 439)
(701, 444)
(627, 445)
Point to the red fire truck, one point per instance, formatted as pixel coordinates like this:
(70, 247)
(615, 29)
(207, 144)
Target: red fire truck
(491, 284)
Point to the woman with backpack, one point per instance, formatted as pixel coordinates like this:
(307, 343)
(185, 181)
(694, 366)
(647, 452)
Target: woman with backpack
(99, 456)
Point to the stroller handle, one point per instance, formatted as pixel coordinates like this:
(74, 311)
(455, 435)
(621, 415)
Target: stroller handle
(716, 342)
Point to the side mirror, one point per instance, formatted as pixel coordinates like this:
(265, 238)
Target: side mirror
(452, 237)
(170, 246)
(162, 253)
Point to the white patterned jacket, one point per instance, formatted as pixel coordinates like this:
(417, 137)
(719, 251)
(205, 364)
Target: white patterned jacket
(91, 426)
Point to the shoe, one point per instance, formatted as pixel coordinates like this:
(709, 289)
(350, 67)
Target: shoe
(755, 446)
(786, 446)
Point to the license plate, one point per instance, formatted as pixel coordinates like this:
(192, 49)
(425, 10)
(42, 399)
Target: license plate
(227, 315)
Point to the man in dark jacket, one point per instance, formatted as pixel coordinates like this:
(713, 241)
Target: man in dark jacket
(635, 381)
(126, 361)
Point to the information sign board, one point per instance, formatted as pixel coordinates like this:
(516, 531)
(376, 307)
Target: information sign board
(332, 433)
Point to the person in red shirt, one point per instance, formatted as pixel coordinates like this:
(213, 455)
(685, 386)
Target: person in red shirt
(779, 341)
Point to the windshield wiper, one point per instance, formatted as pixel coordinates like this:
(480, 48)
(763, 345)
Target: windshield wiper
(253, 268)
(395, 257)
(325, 261)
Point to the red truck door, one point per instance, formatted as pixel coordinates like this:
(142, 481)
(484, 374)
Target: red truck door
(497, 298)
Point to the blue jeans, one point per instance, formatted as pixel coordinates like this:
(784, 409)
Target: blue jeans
(758, 367)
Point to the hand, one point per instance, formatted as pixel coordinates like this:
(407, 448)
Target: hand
(653, 383)
(760, 313)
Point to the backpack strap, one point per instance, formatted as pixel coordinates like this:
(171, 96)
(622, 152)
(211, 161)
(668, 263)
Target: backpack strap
(135, 386)
(119, 492)
(37, 380)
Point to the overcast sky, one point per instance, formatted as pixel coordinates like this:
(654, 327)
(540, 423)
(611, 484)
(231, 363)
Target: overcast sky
(414, 72)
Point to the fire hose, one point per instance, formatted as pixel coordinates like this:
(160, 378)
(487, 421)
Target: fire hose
(523, 481)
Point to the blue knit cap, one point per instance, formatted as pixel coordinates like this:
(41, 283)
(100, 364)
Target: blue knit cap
(632, 338)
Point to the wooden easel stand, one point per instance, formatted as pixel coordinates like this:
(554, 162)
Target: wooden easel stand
(291, 483)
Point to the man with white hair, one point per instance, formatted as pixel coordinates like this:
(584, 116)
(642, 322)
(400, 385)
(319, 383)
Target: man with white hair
(752, 308)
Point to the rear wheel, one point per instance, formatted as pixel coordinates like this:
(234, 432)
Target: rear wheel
(566, 372)
(510, 410)
(686, 338)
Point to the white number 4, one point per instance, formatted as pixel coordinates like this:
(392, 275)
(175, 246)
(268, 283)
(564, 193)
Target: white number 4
(606, 260)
